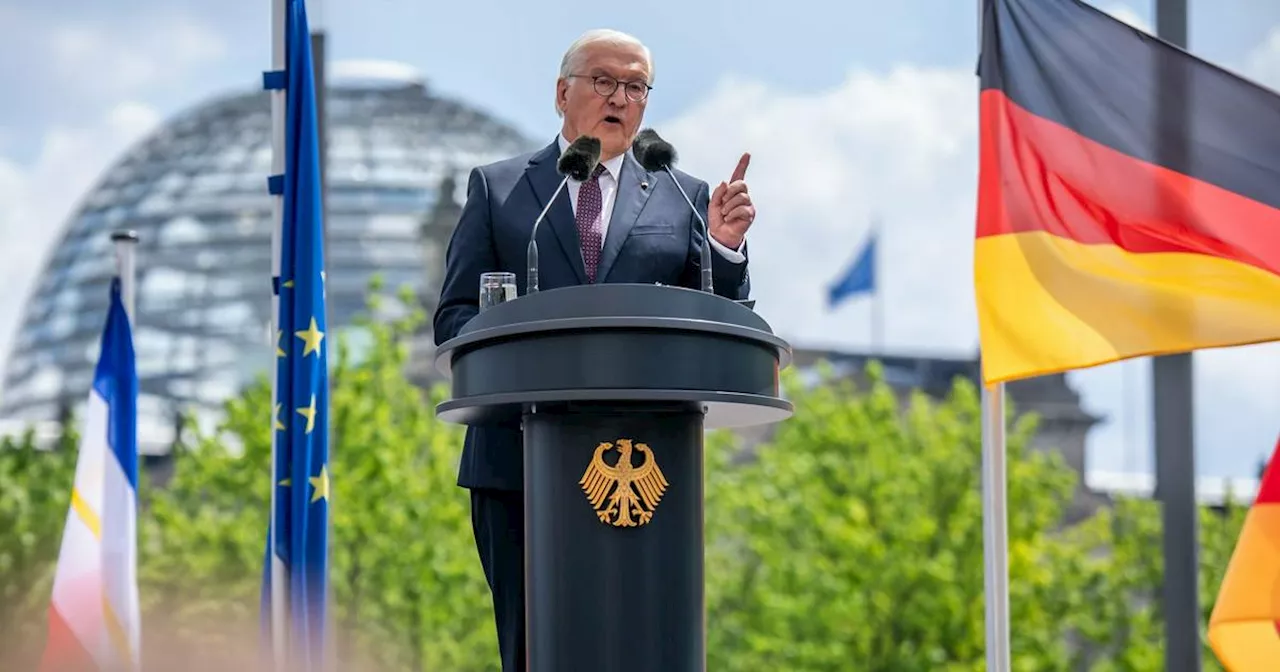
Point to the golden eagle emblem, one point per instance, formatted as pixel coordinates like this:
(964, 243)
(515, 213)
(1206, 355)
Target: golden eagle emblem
(638, 488)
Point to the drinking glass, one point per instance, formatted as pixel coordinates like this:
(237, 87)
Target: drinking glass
(496, 288)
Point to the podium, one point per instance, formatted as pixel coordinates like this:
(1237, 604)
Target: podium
(613, 385)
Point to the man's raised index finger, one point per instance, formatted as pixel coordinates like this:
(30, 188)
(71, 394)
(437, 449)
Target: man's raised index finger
(740, 172)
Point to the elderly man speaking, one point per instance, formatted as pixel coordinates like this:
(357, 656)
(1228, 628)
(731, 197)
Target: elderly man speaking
(603, 88)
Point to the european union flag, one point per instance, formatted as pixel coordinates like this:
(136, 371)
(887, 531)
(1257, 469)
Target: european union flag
(299, 531)
(859, 278)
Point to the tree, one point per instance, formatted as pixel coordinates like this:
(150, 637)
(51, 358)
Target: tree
(35, 490)
(853, 540)
(1118, 573)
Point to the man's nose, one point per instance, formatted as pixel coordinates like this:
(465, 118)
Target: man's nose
(619, 97)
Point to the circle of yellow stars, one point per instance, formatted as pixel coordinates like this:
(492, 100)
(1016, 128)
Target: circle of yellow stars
(311, 337)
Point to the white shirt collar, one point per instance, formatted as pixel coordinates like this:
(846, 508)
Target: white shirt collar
(612, 166)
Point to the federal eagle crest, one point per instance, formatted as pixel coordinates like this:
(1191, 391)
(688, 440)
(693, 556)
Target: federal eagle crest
(624, 494)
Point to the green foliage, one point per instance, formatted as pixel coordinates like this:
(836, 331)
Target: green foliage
(35, 491)
(854, 541)
(1117, 566)
(850, 540)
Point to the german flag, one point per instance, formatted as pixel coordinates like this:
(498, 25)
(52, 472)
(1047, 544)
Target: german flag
(1244, 629)
(1128, 197)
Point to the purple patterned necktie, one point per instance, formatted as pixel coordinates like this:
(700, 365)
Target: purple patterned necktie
(590, 204)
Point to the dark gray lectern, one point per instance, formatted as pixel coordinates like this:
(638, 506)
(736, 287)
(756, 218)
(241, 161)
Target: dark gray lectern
(614, 385)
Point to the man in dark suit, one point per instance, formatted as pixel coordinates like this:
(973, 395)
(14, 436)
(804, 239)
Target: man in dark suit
(623, 224)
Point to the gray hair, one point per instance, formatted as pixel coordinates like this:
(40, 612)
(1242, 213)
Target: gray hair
(573, 54)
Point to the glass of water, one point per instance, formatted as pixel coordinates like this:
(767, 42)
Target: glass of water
(496, 288)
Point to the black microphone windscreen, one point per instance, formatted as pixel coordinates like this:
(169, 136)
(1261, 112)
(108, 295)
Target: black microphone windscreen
(580, 158)
(652, 151)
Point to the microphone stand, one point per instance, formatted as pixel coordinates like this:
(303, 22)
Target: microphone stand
(705, 262)
(531, 276)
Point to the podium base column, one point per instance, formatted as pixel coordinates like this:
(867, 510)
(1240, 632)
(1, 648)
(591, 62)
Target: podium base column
(614, 556)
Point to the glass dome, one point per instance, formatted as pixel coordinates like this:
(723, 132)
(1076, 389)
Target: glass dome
(195, 191)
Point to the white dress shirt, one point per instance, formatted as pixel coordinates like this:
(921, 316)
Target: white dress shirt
(608, 196)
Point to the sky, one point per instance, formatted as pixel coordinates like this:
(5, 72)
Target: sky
(852, 110)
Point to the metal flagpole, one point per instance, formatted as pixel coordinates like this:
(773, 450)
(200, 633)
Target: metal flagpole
(279, 581)
(995, 532)
(1172, 392)
(126, 243)
(877, 292)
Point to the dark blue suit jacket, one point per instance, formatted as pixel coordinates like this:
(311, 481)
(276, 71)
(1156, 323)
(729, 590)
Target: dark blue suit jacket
(652, 237)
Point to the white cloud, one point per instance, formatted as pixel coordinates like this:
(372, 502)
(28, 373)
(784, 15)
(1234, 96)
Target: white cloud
(1129, 16)
(900, 147)
(37, 197)
(1263, 62)
(158, 52)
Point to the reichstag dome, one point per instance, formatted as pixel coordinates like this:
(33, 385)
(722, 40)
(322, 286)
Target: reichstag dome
(195, 191)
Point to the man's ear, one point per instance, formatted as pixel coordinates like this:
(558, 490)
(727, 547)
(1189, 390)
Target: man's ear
(562, 94)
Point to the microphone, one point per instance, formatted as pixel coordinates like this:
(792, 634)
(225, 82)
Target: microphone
(656, 154)
(576, 163)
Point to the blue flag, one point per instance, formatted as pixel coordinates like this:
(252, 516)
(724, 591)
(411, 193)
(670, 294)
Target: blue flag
(859, 278)
(301, 414)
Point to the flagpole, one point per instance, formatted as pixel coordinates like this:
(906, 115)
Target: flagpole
(877, 307)
(126, 243)
(1172, 390)
(995, 532)
(279, 581)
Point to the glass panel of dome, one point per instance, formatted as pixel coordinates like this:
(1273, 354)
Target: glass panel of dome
(253, 179)
(172, 181)
(221, 353)
(224, 287)
(397, 174)
(217, 387)
(229, 316)
(391, 225)
(183, 360)
(132, 191)
(247, 200)
(389, 150)
(96, 242)
(152, 365)
(212, 182)
(261, 159)
(182, 388)
(350, 149)
(393, 254)
(91, 266)
(62, 324)
(156, 203)
(46, 383)
(165, 286)
(232, 156)
(116, 215)
(345, 224)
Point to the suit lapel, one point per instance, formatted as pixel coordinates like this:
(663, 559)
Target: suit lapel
(544, 178)
(626, 210)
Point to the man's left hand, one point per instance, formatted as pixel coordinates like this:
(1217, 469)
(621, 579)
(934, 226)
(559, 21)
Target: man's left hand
(731, 212)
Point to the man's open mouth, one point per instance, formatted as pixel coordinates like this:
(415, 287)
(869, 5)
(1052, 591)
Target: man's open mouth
(612, 120)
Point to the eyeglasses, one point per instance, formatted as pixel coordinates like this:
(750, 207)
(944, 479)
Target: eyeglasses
(605, 86)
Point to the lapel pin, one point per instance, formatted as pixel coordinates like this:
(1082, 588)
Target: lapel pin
(644, 185)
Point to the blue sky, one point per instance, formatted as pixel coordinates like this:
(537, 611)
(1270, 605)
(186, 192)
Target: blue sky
(852, 110)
